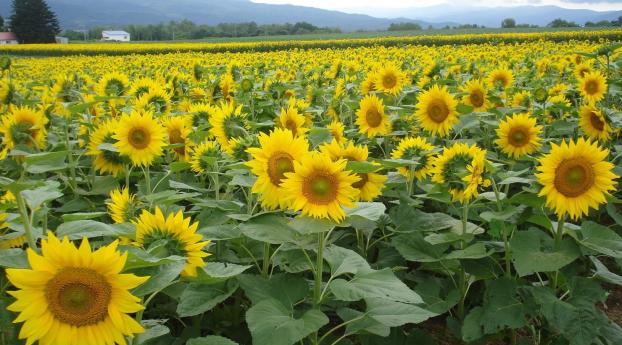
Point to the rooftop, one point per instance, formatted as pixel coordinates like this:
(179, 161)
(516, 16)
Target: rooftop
(7, 36)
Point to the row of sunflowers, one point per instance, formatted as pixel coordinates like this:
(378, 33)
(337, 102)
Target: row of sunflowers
(363, 195)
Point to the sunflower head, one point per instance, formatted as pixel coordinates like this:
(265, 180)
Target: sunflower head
(228, 122)
(113, 84)
(370, 117)
(461, 168)
(575, 176)
(140, 137)
(593, 86)
(594, 123)
(123, 206)
(178, 129)
(75, 291)
(501, 78)
(518, 135)
(101, 146)
(319, 187)
(155, 100)
(24, 126)
(292, 120)
(271, 161)
(178, 234)
(417, 149)
(204, 156)
(475, 95)
(390, 79)
(436, 111)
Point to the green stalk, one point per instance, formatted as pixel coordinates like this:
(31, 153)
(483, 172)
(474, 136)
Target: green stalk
(147, 180)
(462, 282)
(23, 211)
(72, 166)
(266, 260)
(506, 242)
(317, 288)
(559, 234)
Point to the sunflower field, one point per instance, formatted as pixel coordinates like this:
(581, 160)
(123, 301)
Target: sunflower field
(376, 193)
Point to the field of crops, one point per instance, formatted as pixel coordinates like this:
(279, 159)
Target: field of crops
(354, 192)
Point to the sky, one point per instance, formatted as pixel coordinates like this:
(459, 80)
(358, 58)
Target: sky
(353, 5)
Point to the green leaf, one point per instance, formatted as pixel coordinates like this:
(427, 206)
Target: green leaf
(153, 329)
(414, 248)
(36, 197)
(408, 219)
(369, 210)
(198, 298)
(309, 225)
(160, 277)
(270, 228)
(367, 284)
(396, 314)
(139, 258)
(362, 167)
(287, 288)
(342, 261)
(211, 340)
(89, 228)
(532, 252)
(475, 251)
(601, 239)
(358, 321)
(217, 272)
(272, 323)
(38, 163)
(13, 258)
(603, 273)
(70, 217)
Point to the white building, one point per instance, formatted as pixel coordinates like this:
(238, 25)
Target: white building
(115, 36)
(8, 38)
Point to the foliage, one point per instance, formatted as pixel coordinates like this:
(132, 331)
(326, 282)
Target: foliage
(33, 21)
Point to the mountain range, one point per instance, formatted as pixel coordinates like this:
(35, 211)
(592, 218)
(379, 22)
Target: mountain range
(74, 14)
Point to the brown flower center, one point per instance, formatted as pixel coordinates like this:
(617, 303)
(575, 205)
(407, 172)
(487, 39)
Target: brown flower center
(320, 188)
(278, 164)
(573, 177)
(373, 117)
(389, 81)
(591, 87)
(438, 111)
(175, 137)
(78, 296)
(596, 121)
(501, 80)
(291, 125)
(477, 98)
(361, 183)
(518, 136)
(139, 137)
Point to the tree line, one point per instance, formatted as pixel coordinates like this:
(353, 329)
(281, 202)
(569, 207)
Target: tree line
(187, 30)
(562, 23)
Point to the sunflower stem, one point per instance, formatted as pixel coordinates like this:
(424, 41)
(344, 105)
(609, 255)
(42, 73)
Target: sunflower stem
(266, 260)
(147, 180)
(463, 278)
(23, 211)
(559, 234)
(506, 243)
(72, 166)
(319, 268)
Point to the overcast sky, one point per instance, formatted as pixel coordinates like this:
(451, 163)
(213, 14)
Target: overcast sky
(350, 5)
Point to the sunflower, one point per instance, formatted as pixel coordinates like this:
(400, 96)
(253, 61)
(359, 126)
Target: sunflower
(368, 84)
(291, 119)
(522, 99)
(203, 156)
(593, 123)
(18, 241)
(336, 129)
(180, 237)
(6, 91)
(370, 184)
(179, 129)
(501, 78)
(390, 79)
(582, 69)
(418, 149)
(593, 86)
(319, 187)
(227, 85)
(23, 126)
(274, 158)
(100, 146)
(122, 206)
(140, 137)
(201, 113)
(461, 169)
(113, 85)
(436, 111)
(155, 100)
(371, 118)
(228, 122)
(143, 86)
(75, 295)
(518, 135)
(475, 95)
(575, 176)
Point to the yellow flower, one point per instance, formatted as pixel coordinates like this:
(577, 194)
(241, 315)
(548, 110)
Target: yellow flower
(518, 135)
(23, 126)
(436, 111)
(522, 99)
(475, 95)
(106, 160)
(418, 149)
(319, 187)
(227, 85)
(75, 296)
(370, 184)
(113, 84)
(390, 79)
(156, 100)
(140, 137)
(501, 78)
(228, 122)
(178, 129)
(371, 118)
(460, 168)
(271, 161)
(593, 87)
(575, 176)
(179, 235)
(336, 129)
(122, 206)
(292, 120)
(593, 123)
(202, 155)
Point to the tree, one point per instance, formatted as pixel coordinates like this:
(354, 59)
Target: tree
(1, 23)
(560, 23)
(508, 23)
(33, 21)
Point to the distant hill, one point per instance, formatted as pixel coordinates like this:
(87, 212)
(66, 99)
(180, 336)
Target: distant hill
(76, 14)
(492, 16)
